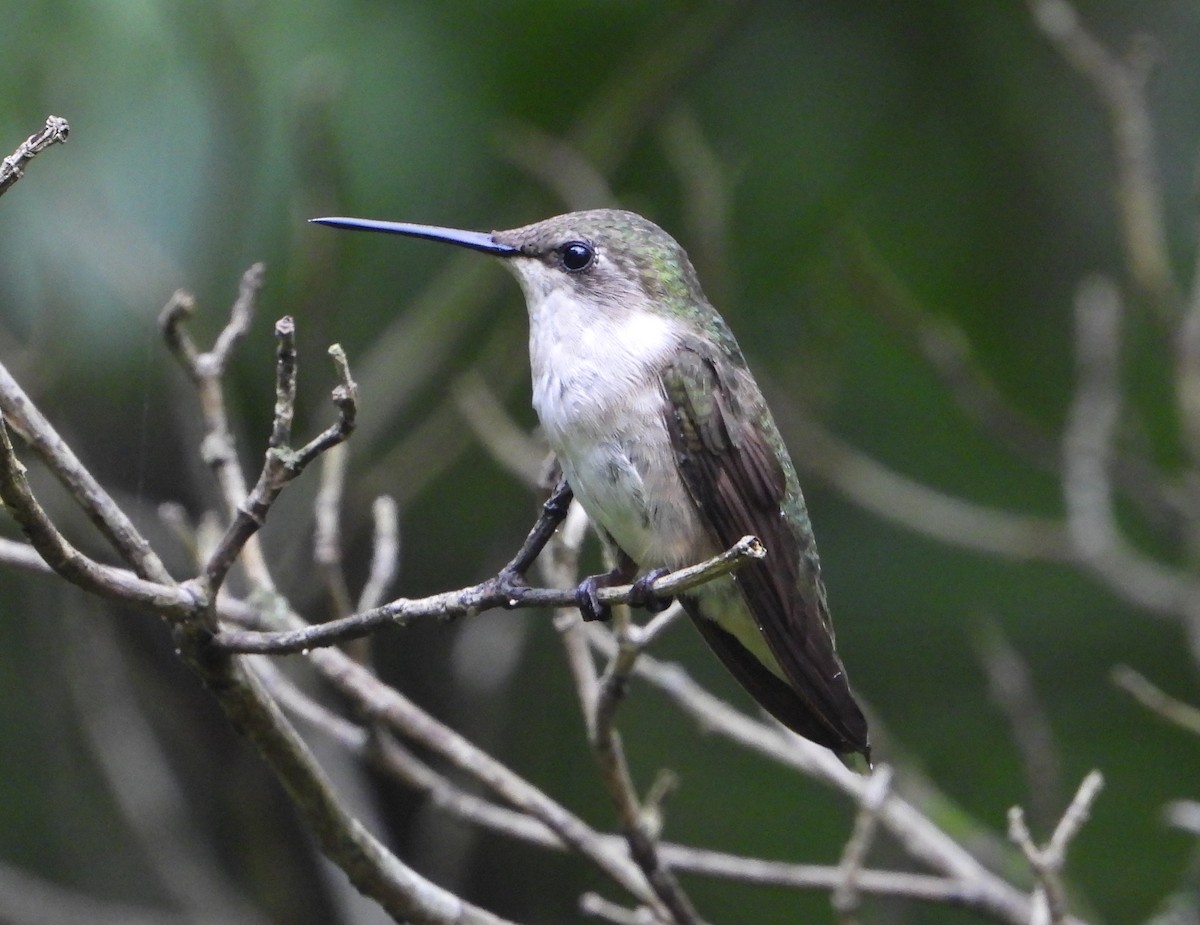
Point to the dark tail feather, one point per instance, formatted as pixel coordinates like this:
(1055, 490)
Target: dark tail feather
(846, 733)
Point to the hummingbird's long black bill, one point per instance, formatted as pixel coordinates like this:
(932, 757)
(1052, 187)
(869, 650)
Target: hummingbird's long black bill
(475, 240)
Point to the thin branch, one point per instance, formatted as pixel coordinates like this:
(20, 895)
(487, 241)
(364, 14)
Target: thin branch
(282, 463)
(1153, 698)
(498, 591)
(206, 370)
(916, 506)
(638, 825)
(12, 167)
(560, 569)
(285, 383)
(113, 524)
(554, 511)
(405, 767)
(847, 895)
(385, 553)
(596, 906)
(1047, 863)
(1087, 454)
(1075, 816)
(22, 555)
(965, 893)
(1011, 688)
(559, 166)
(144, 787)
(916, 833)
(176, 603)
(327, 533)
(947, 351)
(376, 872)
(385, 705)
(381, 749)
(1121, 87)
(241, 316)
(1095, 410)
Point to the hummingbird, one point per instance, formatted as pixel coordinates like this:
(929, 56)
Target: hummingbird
(664, 436)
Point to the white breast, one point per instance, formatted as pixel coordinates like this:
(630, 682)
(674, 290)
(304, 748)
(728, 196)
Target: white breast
(596, 390)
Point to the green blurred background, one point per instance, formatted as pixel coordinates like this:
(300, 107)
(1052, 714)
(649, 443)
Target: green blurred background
(803, 152)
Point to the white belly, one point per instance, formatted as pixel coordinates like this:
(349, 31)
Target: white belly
(597, 393)
(628, 484)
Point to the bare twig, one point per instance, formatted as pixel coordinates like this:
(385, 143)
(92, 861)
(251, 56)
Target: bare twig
(282, 463)
(554, 511)
(13, 166)
(388, 706)
(370, 866)
(1087, 452)
(114, 525)
(375, 871)
(495, 592)
(918, 834)
(1153, 698)
(206, 370)
(557, 165)
(327, 538)
(1121, 87)
(919, 507)
(639, 826)
(285, 383)
(847, 895)
(22, 555)
(560, 569)
(389, 756)
(1047, 863)
(488, 419)
(947, 351)
(1011, 687)
(171, 601)
(142, 783)
(598, 907)
(385, 553)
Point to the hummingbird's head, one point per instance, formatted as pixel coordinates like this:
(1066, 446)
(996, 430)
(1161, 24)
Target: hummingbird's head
(607, 258)
(610, 258)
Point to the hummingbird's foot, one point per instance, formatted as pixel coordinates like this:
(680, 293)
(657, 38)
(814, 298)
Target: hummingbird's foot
(512, 585)
(586, 598)
(588, 601)
(642, 594)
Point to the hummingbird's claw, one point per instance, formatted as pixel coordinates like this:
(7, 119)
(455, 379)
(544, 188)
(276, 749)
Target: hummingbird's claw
(642, 594)
(588, 601)
(512, 585)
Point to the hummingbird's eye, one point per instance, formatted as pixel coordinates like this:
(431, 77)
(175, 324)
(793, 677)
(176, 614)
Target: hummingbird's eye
(576, 256)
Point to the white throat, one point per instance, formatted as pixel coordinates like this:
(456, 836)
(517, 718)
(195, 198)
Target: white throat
(589, 364)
